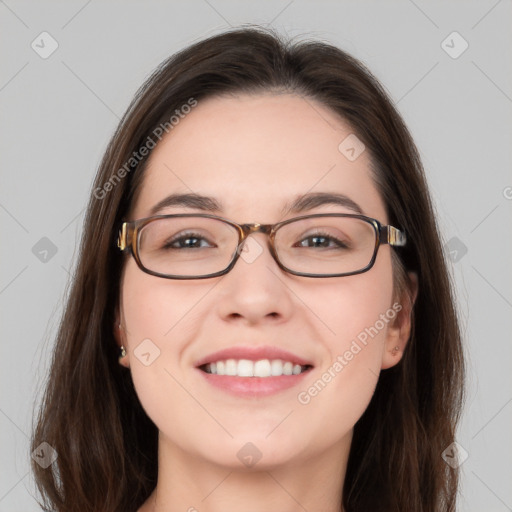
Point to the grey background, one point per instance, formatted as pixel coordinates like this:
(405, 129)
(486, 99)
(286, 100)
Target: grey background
(58, 114)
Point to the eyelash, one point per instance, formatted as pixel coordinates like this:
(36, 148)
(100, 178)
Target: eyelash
(178, 238)
(338, 242)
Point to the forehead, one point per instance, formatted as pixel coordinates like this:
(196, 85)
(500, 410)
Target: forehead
(256, 153)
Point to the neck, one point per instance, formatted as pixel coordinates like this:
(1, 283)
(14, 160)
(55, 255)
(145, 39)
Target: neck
(192, 484)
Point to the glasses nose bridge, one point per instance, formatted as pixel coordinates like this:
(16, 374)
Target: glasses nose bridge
(256, 227)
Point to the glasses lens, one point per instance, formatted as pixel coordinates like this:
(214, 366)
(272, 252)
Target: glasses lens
(187, 246)
(326, 245)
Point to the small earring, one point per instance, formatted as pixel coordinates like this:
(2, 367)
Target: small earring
(123, 352)
(395, 350)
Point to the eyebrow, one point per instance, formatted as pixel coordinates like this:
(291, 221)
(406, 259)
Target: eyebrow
(298, 205)
(315, 199)
(195, 201)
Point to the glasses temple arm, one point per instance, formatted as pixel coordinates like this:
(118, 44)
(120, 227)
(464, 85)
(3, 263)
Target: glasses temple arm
(392, 236)
(123, 237)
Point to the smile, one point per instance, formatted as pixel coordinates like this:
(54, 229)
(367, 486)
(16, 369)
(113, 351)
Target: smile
(246, 368)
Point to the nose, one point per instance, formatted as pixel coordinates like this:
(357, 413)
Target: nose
(255, 290)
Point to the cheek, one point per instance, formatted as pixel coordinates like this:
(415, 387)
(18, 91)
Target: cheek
(354, 308)
(156, 308)
(156, 313)
(357, 312)
(160, 315)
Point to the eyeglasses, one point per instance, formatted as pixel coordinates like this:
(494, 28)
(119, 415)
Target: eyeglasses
(199, 246)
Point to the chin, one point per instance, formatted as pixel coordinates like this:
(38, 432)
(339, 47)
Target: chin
(256, 450)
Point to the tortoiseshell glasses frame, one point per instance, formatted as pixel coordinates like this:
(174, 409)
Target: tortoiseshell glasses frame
(129, 239)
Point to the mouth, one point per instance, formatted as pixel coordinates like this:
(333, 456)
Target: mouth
(251, 371)
(262, 368)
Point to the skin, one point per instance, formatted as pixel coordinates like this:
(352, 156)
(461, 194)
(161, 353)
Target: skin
(255, 153)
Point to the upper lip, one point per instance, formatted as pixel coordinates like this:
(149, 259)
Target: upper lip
(253, 354)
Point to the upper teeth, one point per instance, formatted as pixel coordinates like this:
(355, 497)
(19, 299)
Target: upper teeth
(261, 368)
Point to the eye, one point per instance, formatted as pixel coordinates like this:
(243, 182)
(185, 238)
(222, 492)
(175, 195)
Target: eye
(187, 241)
(322, 240)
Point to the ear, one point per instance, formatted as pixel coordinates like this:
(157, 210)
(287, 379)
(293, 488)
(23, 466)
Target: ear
(399, 329)
(120, 337)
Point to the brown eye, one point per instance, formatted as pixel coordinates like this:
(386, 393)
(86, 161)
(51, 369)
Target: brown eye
(187, 241)
(322, 241)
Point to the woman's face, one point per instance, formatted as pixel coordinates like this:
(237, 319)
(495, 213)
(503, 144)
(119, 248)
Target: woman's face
(254, 155)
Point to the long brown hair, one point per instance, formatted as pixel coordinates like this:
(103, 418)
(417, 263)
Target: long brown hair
(90, 413)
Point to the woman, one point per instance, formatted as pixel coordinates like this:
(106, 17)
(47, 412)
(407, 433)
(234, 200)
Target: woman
(261, 317)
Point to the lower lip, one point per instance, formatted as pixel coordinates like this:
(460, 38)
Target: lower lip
(253, 386)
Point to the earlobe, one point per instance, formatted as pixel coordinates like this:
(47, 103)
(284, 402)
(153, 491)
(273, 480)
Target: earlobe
(393, 353)
(120, 338)
(123, 357)
(399, 331)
